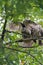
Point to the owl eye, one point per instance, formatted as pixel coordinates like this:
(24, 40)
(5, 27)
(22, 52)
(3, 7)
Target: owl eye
(22, 25)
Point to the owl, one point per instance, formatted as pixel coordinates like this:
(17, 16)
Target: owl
(29, 30)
